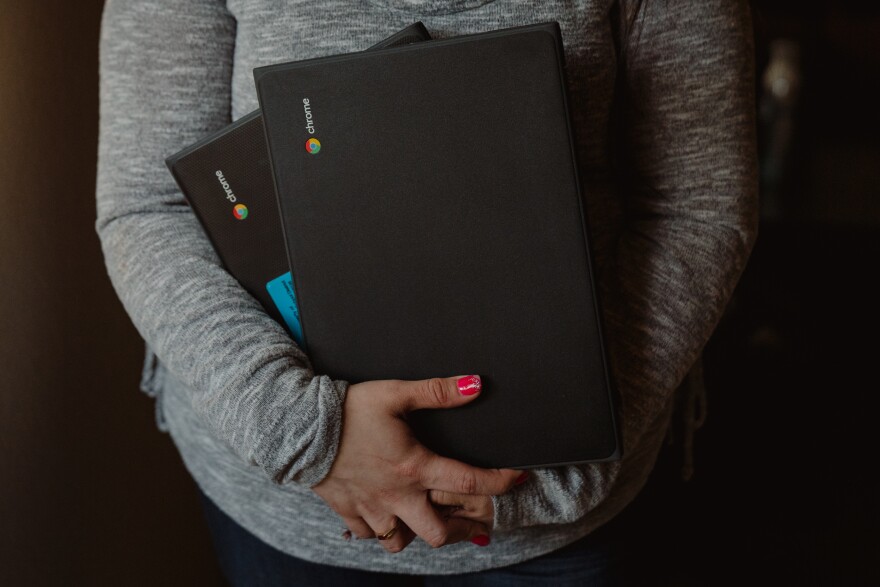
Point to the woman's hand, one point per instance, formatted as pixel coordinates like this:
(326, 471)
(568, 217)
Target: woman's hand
(382, 473)
(478, 508)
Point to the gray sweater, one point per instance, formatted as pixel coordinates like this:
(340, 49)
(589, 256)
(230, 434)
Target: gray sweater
(672, 216)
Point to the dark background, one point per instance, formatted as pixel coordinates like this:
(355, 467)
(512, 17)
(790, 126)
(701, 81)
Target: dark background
(784, 491)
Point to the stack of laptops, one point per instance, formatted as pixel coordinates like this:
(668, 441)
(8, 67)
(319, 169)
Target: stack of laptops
(414, 211)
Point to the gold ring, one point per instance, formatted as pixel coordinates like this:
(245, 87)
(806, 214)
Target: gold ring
(389, 533)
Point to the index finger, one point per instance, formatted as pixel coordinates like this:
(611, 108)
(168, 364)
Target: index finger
(437, 530)
(447, 474)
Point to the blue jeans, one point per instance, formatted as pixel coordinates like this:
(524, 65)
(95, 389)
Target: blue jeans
(247, 561)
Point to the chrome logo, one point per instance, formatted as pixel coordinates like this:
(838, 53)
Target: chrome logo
(240, 211)
(313, 146)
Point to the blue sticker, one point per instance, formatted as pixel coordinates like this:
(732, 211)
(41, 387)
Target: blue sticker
(281, 290)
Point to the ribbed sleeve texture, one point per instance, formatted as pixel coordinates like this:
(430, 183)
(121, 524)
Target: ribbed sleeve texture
(165, 82)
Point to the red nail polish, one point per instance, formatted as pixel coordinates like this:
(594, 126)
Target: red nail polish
(522, 478)
(481, 540)
(470, 385)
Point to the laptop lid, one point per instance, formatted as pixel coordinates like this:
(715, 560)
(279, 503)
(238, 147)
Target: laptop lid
(431, 208)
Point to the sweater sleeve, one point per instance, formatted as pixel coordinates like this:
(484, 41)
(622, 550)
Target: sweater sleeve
(165, 82)
(691, 221)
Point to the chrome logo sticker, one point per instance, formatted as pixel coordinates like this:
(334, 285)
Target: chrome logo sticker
(240, 211)
(313, 146)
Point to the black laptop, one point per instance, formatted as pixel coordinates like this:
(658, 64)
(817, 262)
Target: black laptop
(432, 213)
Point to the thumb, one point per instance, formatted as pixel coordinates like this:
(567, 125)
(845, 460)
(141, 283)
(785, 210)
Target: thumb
(440, 392)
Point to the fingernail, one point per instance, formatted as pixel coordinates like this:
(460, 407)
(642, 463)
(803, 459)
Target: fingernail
(522, 478)
(469, 385)
(481, 540)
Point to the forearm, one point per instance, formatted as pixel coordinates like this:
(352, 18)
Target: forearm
(691, 202)
(165, 82)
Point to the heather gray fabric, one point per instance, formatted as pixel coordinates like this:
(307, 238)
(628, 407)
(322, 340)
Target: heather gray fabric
(671, 234)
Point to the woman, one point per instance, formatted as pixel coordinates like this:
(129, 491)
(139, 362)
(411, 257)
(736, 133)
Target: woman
(661, 97)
